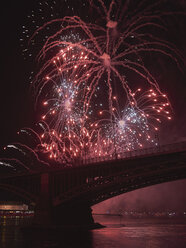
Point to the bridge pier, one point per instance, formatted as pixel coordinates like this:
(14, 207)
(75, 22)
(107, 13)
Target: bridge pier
(74, 214)
(43, 207)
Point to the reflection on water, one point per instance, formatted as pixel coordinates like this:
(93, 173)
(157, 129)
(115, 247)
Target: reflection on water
(119, 233)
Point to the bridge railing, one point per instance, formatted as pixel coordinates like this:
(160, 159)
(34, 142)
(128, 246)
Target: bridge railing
(175, 147)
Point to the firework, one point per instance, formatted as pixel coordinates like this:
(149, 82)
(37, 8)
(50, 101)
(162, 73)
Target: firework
(100, 54)
(109, 137)
(89, 103)
(131, 127)
(82, 57)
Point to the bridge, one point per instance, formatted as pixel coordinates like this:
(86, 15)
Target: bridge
(65, 196)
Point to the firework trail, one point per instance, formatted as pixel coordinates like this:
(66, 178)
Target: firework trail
(103, 51)
(83, 83)
(130, 127)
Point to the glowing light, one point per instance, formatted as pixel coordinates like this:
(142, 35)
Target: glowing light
(84, 81)
(122, 123)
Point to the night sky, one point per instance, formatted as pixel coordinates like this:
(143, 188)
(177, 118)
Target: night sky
(17, 108)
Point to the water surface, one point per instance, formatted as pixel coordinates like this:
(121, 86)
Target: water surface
(119, 233)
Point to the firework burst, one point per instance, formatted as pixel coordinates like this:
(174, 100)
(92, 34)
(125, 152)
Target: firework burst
(84, 81)
(100, 53)
(133, 126)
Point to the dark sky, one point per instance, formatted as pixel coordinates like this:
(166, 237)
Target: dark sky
(16, 103)
(16, 110)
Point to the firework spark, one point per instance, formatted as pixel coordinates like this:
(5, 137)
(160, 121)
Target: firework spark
(131, 127)
(84, 81)
(103, 52)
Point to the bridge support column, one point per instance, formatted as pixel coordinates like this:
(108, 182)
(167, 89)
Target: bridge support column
(43, 214)
(74, 214)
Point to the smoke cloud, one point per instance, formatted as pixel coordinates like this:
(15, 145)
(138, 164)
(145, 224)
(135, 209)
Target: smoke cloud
(162, 197)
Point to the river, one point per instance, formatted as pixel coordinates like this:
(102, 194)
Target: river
(119, 233)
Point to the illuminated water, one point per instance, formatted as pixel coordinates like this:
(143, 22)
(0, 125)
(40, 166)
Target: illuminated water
(137, 233)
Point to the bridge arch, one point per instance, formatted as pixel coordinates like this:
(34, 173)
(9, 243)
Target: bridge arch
(114, 179)
(24, 195)
(110, 192)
